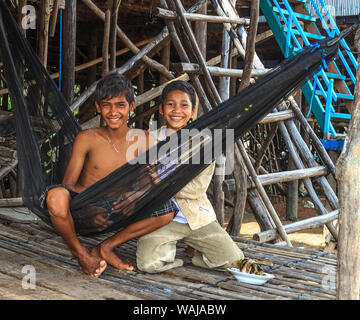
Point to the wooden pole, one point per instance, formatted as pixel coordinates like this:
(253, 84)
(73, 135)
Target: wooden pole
(309, 223)
(162, 36)
(123, 37)
(202, 17)
(348, 175)
(184, 57)
(53, 18)
(69, 46)
(250, 45)
(201, 31)
(113, 25)
(105, 46)
(315, 140)
(44, 31)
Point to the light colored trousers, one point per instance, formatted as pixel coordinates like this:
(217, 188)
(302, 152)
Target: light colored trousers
(156, 251)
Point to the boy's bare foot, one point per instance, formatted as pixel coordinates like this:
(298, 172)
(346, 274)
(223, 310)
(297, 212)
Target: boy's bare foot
(92, 265)
(102, 252)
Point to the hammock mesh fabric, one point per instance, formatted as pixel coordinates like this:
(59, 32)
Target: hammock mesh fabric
(46, 129)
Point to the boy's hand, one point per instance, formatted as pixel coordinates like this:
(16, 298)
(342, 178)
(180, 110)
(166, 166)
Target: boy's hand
(126, 203)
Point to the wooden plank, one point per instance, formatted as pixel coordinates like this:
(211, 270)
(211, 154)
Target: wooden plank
(299, 272)
(54, 283)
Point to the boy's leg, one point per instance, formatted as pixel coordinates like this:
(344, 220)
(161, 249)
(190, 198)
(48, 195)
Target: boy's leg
(156, 251)
(105, 249)
(58, 203)
(214, 246)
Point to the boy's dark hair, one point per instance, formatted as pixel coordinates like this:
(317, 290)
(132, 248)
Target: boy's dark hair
(182, 86)
(113, 85)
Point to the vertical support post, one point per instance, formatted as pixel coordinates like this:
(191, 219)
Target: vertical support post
(292, 195)
(348, 175)
(43, 32)
(69, 51)
(113, 26)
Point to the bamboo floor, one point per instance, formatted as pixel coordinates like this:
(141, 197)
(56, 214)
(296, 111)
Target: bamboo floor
(299, 273)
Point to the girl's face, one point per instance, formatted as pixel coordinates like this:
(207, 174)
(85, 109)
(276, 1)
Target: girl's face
(177, 109)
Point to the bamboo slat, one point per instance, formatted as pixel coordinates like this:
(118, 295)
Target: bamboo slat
(299, 273)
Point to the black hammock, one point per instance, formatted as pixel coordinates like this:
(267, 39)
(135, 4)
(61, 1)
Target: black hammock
(46, 128)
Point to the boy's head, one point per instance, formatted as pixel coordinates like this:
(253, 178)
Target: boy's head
(114, 99)
(178, 104)
(113, 85)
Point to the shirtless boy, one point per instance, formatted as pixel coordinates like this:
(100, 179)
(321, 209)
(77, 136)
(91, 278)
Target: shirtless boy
(96, 153)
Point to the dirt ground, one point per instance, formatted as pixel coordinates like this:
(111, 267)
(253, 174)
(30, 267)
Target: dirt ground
(310, 238)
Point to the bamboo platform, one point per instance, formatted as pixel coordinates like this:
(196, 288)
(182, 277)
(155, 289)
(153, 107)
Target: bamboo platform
(299, 274)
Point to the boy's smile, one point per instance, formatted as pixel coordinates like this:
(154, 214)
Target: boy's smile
(115, 111)
(177, 109)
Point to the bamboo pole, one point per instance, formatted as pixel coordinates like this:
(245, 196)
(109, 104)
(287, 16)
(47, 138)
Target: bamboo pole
(113, 25)
(105, 45)
(11, 202)
(160, 38)
(250, 45)
(184, 57)
(69, 41)
(123, 37)
(218, 71)
(171, 15)
(307, 182)
(309, 223)
(348, 175)
(89, 64)
(44, 31)
(264, 197)
(53, 18)
(197, 52)
(315, 140)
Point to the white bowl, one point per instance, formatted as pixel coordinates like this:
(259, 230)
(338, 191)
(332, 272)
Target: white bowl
(250, 278)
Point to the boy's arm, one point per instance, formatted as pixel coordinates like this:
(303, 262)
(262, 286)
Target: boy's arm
(77, 159)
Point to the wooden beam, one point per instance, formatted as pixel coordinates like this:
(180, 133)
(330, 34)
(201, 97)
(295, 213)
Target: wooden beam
(266, 35)
(171, 15)
(218, 71)
(11, 202)
(105, 45)
(250, 45)
(43, 31)
(309, 223)
(53, 18)
(123, 37)
(348, 175)
(69, 46)
(157, 41)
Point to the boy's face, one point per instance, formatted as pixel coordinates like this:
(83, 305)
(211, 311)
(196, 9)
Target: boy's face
(177, 109)
(115, 111)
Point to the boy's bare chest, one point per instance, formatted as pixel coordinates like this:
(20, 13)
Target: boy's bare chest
(106, 157)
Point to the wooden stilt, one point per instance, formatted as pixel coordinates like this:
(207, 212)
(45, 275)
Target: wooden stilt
(69, 51)
(348, 175)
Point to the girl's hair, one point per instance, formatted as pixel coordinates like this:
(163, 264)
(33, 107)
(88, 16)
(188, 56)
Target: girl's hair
(113, 85)
(182, 86)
